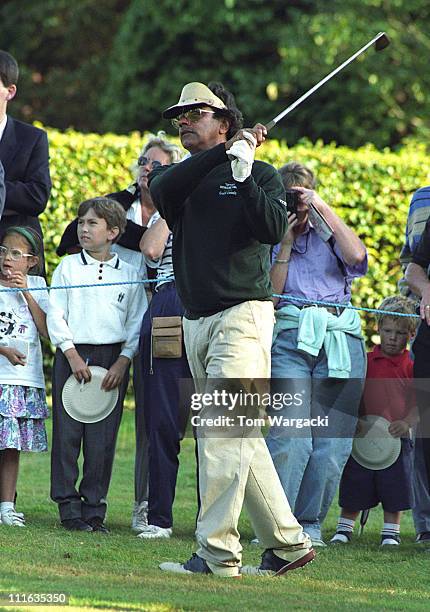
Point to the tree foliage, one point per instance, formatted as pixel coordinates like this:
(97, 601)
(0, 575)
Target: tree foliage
(62, 48)
(115, 64)
(269, 52)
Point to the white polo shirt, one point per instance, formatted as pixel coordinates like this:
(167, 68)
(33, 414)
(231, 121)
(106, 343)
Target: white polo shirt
(96, 315)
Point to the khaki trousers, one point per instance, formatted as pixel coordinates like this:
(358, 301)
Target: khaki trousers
(236, 469)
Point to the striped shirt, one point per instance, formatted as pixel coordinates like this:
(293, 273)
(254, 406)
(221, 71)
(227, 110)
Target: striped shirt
(164, 265)
(419, 212)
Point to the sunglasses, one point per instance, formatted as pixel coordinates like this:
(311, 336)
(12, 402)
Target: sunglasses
(192, 116)
(15, 254)
(144, 161)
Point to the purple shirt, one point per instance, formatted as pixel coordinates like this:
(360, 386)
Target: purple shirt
(315, 273)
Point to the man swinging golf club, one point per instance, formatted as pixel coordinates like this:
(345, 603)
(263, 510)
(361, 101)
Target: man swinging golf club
(225, 210)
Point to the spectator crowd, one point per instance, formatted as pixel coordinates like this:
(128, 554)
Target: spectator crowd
(176, 277)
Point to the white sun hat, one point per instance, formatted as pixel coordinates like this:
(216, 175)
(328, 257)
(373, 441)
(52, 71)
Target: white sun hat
(89, 403)
(377, 449)
(194, 95)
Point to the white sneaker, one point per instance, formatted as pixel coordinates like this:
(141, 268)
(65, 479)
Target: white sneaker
(341, 537)
(139, 518)
(154, 531)
(387, 541)
(12, 519)
(255, 542)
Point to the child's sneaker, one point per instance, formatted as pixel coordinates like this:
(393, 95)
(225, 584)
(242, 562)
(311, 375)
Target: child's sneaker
(390, 540)
(154, 531)
(341, 537)
(12, 518)
(139, 518)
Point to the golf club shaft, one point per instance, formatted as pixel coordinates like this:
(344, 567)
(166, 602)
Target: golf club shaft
(294, 105)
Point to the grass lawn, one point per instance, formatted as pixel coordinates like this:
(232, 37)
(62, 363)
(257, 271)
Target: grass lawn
(119, 571)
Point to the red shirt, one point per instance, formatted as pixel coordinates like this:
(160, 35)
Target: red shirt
(388, 391)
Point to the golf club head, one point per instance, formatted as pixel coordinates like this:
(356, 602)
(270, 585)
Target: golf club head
(382, 42)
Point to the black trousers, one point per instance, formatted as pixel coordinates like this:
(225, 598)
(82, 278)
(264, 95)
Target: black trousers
(422, 387)
(97, 441)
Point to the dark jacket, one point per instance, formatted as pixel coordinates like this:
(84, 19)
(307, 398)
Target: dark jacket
(2, 189)
(25, 157)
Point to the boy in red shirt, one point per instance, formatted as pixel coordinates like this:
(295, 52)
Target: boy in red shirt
(391, 397)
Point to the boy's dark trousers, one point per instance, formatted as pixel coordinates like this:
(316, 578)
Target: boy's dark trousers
(97, 440)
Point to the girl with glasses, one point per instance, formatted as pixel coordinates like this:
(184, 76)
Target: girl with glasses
(23, 407)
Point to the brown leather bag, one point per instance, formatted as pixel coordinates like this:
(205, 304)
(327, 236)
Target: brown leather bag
(166, 337)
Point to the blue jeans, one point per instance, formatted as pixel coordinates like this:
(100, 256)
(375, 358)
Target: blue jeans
(310, 460)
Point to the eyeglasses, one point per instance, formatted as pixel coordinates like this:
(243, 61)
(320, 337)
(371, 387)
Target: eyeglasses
(192, 116)
(15, 254)
(144, 161)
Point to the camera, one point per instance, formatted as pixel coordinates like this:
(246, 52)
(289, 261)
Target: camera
(292, 197)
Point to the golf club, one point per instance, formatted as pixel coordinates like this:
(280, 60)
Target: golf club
(380, 41)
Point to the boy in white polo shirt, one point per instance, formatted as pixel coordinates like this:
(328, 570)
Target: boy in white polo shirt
(97, 325)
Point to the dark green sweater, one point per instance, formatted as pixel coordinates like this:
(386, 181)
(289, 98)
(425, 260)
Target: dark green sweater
(222, 229)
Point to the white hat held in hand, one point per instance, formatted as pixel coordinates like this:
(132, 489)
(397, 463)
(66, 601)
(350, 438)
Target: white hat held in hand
(89, 403)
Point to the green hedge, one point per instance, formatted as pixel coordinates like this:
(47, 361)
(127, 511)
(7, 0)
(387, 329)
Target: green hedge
(370, 189)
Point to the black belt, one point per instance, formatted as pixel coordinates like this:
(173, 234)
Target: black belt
(335, 310)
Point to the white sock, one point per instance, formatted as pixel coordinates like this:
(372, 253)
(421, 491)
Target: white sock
(344, 529)
(344, 524)
(6, 506)
(390, 529)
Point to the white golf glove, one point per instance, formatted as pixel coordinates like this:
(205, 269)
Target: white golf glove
(242, 154)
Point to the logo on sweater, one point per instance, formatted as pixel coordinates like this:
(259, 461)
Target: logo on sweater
(228, 189)
(121, 296)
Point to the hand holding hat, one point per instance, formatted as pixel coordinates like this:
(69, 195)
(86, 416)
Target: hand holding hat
(115, 374)
(79, 367)
(375, 448)
(399, 428)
